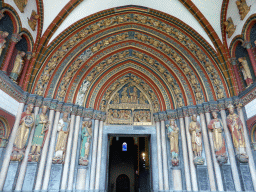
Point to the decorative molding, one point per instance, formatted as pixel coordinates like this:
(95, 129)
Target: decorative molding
(47, 102)
(172, 114)
(74, 109)
(53, 104)
(80, 111)
(156, 117)
(88, 113)
(39, 101)
(67, 108)
(59, 106)
(97, 115)
(31, 99)
(200, 109)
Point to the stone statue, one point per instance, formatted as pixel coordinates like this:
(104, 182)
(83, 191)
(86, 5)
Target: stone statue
(246, 71)
(41, 129)
(124, 98)
(216, 127)
(173, 134)
(32, 21)
(21, 4)
(26, 123)
(235, 126)
(196, 139)
(134, 95)
(243, 8)
(81, 93)
(3, 36)
(230, 27)
(86, 140)
(18, 64)
(60, 148)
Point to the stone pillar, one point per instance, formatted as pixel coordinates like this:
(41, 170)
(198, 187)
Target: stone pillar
(163, 118)
(9, 147)
(232, 157)
(248, 46)
(207, 149)
(97, 117)
(23, 167)
(51, 150)
(40, 172)
(81, 177)
(190, 152)
(29, 56)
(177, 181)
(184, 149)
(97, 182)
(236, 71)
(74, 149)
(215, 162)
(14, 40)
(68, 148)
(159, 155)
(248, 147)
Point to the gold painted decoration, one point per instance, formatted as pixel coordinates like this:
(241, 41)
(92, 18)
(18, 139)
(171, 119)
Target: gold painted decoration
(230, 27)
(243, 8)
(21, 4)
(32, 21)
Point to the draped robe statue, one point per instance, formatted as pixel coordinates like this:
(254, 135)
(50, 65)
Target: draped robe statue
(235, 126)
(41, 129)
(17, 68)
(26, 123)
(216, 127)
(246, 71)
(86, 141)
(60, 148)
(173, 134)
(3, 36)
(196, 139)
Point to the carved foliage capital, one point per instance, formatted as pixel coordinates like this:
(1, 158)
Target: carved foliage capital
(200, 109)
(67, 108)
(79, 111)
(221, 106)
(47, 102)
(171, 114)
(74, 109)
(53, 104)
(59, 106)
(192, 111)
(39, 101)
(97, 115)
(185, 112)
(206, 107)
(103, 116)
(88, 113)
(16, 37)
(162, 116)
(31, 99)
(180, 113)
(156, 117)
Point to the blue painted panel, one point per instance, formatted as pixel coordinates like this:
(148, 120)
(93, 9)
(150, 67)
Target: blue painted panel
(55, 178)
(8, 185)
(29, 177)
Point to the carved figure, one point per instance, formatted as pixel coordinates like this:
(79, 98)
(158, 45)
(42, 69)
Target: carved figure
(246, 71)
(142, 99)
(196, 139)
(27, 121)
(32, 21)
(220, 93)
(124, 98)
(3, 36)
(86, 140)
(21, 4)
(235, 126)
(81, 93)
(230, 28)
(60, 148)
(41, 129)
(17, 68)
(216, 127)
(243, 8)
(134, 95)
(173, 134)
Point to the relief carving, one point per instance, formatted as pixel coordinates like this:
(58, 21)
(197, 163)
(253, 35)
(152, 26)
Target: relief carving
(243, 8)
(21, 4)
(230, 28)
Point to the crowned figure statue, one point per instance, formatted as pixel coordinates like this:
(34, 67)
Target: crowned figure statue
(173, 134)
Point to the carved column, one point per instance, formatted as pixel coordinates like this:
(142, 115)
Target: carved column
(97, 117)
(236, 71)
(74, 149)
(9, 147)
(51, 150)
(215, 162)
(185, 150)
(40, 172)
(248, 46)
(159, 155)
(232, 159)
(248, 146)
(68, 148)
(190, 151)
(163, 118)
(29, 56)
(14, 40)
(97, 182)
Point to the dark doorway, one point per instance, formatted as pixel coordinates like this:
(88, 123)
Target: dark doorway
(129, 161)
(123, 183)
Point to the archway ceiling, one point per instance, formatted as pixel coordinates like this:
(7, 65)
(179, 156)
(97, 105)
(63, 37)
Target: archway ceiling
(184, 68)
(186, 11)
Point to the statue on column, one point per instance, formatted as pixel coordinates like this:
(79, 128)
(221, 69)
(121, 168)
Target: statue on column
(3, 36)
(41, 130)
(86, 141)
(27, 121)
(235, 126)
(18, 64)
(246, 71)
(63, 129)
(173, 134)
(216, 127)
(196, 139)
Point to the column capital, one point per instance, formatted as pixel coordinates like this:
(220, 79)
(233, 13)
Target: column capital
(53, 104)
(39, 101)
(31, 99)
(47, 102)
(214, 106)
(97, 115)
(180, 113)
(88, 113)
(171, 114)
(228, 101)
(67, 108)
(16, 37)
(233, 61)
(74, 109)
(156, 117)
(200, 109)
(247, 44)
(24, 97)
(103, 116)
(206, 107)
(79, 111)
(59, 106)
(185, 112)
(162, 116)
(221, 105)
(192, 110)
(238, 102)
